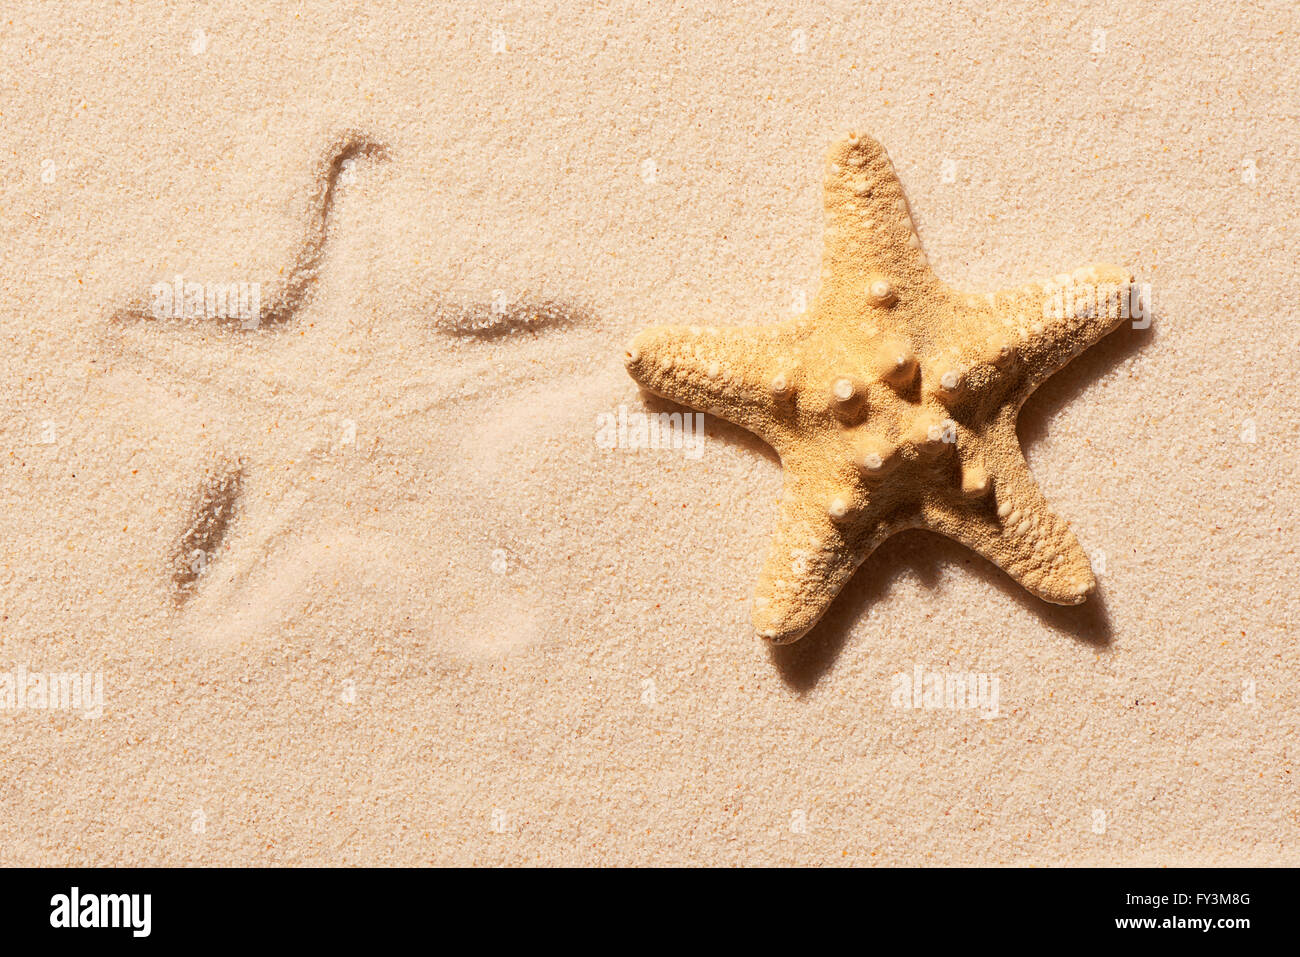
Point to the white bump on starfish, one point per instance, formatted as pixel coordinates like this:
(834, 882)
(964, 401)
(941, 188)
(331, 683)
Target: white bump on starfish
(1000, 350)
(947, 381)
(881, 292)
(897, 362)
(870, 462)
(848, 399)
(873, 456)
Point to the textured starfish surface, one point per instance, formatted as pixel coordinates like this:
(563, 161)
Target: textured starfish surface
(893, 402)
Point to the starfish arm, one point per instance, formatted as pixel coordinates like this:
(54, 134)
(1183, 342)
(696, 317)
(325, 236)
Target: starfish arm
(869, 232)
(1048, 324)
(1023, 536)
(733, 372)
(810, 558)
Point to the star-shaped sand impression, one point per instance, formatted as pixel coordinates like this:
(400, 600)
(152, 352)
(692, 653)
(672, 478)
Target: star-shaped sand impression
(893, 402)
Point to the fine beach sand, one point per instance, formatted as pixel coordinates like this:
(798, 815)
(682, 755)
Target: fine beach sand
(437, 622)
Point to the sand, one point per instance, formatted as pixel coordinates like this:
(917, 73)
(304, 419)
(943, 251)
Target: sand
(442, 622)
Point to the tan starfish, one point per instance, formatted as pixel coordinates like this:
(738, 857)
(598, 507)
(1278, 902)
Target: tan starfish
(893, 403)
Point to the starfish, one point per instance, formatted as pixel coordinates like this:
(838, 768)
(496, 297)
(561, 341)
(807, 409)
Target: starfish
(893, 402)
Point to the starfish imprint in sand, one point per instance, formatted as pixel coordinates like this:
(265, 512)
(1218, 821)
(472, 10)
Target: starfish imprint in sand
(277, 390)
(893, 403)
